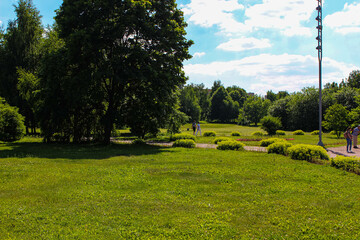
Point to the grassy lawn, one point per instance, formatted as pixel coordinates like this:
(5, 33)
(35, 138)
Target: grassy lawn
(140, 192)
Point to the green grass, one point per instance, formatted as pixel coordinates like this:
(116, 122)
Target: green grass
(139, 192)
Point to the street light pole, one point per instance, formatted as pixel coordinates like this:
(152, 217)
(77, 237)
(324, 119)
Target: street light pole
(319, 48)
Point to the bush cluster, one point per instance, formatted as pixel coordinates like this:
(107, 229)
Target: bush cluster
(280, 133)
(235, 134)
(209, 134)
(316, 132)
(185, 143)
(182, 136)
(346, 163)
(307, 152)
(221, 139)
(299, 132)
(230, 145)
(267, 142)
(257, 133)
(12, 126)
(279, 147)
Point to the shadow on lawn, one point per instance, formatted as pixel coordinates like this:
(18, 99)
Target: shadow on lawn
(76, 151)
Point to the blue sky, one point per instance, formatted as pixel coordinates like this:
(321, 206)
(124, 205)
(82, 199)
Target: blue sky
(258, 45)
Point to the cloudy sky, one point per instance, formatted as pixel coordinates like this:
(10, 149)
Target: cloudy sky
(259, 45)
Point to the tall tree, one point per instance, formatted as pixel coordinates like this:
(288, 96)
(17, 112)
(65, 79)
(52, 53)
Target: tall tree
(223, 108)
(22, 50)
(131, 49)
(354, 79)
(255, 109)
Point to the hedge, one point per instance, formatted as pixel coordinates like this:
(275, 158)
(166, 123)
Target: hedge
(299, 132)
(221, 139)
(230, 145)
(182, 136)
(235, 134)
(209, 134)
(185, 143)
(267, 142)
(279, 147)
(350, 164)
(257, 133)
(280, 132)
(307, 152)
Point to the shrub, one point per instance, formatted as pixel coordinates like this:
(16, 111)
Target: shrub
(257, 133)
(333, 133)
(346, 163)
(230, 145)
(11, 123)
(307, 152)
(280, 133)
(316, 132)
(221, 139)
(185, 143)
(235, 134)
(299, 132)
(138, 141)
(267, 142)
(270, 124)
(209, 134)
(182, 136)
(279, 147)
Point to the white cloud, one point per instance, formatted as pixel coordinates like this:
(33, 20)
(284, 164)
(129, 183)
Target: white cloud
(264, 72)
(199, 54)
(287, 16)
(346, 21)
(242, 44)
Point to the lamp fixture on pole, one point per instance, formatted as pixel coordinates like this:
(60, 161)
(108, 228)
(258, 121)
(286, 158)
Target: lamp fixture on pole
(319, 49)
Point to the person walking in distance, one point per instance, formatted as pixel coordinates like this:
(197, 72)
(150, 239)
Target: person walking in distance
(355, 135)
(348, 137)
(198, 129)
(194, 127)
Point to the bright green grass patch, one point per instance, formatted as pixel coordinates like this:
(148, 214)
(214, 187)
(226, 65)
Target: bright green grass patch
(140, 192)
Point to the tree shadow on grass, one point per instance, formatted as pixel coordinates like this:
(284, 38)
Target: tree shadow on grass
(76, 151)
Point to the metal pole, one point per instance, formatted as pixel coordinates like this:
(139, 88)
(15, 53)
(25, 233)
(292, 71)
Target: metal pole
(319, 48)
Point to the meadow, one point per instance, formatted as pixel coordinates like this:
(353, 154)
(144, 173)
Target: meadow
(122, 191)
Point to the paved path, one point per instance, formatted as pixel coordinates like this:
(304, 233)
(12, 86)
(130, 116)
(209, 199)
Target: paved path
(333, 151)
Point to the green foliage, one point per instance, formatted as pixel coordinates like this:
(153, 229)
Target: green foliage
(354, 79)
(176, 120)
(255, 108)
(267, 142)
(138, 141)
(316, 132)
(257, 133)
(221, 139)
(279, 147)
(307, 152)
(279, 109)
(350, 164)
(333, 133)
(230, 145)
(185, 143)
(236, 134)
(298, 132)
(11, 123)
(223, 108)
(336, 118)
(280, 133)
(270, 124)
(209, 134)
(190, 103)
(182, 136)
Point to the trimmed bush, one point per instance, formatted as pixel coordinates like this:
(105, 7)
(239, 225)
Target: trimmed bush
(138, 141)
(182, 136)
(267, 142)
(230, 145)
(209, 134)
(307, 152)
(221, 139)
(316, 132)
(270, 124)
(333, 133)
(346, 163)
(185, 143)
(235, 134)
(299, 132)
(279, 147)
(257, 133)
(12, 126)
(280, 133)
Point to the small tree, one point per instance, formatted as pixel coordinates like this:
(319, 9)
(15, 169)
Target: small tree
(11, 123)
(336, 118)
(270, 124)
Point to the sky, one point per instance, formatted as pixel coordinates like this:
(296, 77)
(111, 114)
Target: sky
(258, 45)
